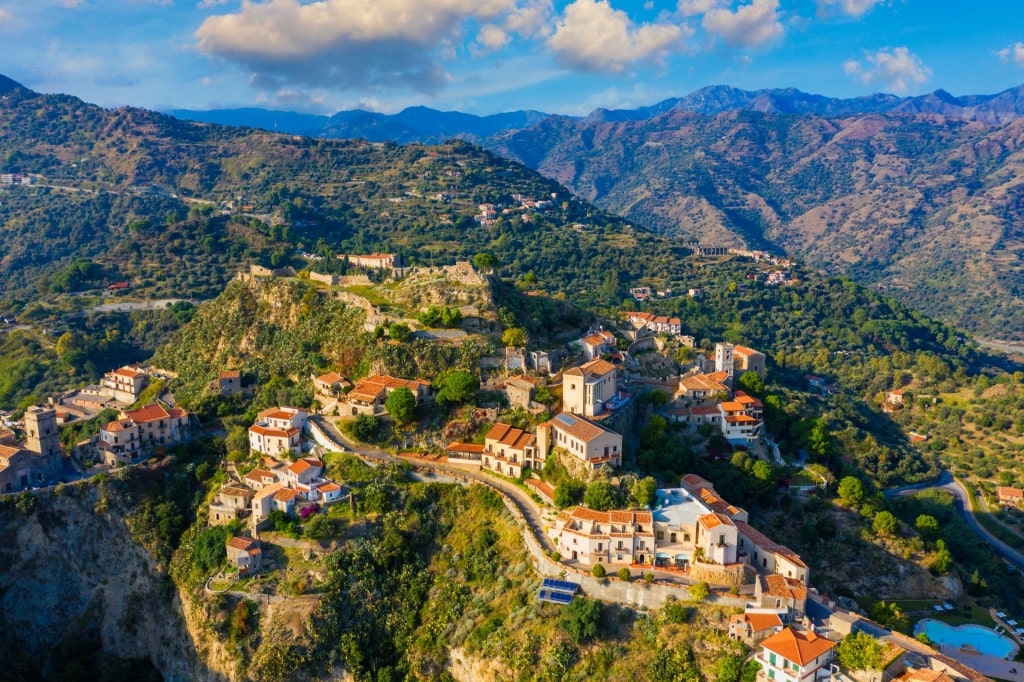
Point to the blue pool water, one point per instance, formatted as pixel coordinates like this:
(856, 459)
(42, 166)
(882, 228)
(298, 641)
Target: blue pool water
(985, 640)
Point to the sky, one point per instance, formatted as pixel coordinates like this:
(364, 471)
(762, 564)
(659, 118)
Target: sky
(489, 56)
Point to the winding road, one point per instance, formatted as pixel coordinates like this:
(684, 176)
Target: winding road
(962, 502)
(529, 509)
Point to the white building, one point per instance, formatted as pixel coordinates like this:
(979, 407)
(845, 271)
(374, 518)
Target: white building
(586, 389)
(794, 656)
(585, 440)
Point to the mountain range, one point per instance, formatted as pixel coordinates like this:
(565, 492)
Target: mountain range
(917, 196)
(920, 197)
(426, 125)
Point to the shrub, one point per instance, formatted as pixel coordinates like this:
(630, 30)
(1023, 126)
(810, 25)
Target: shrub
(624, 573)
(599, 571)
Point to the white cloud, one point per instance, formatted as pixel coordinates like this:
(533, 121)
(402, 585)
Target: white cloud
(365, 45)
(491, 38)
(691, 8)
(591, 36)
(750, 25)
(853, 8)
(1013, 53)
(895, 67)
(5, 18)
(209, 4)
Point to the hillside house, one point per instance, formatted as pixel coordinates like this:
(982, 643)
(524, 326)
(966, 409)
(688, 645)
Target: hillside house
(159, 425)
(119, 442)
(613, 537)
(124, 385)
(15, 468)
(369, 394)
(303, 474)
(331, 385)
(258, 479)
(774, 591)
(519, 390)
(753, 626)
(278, 431)
(228, 383)
(741, 419)
(232, 503)
(245, 555)
(508, 450)
(794, 656)
(696, 388)
(596, 344)
(587, 388)
(748, 360)
(1009, 496)
(590, 443)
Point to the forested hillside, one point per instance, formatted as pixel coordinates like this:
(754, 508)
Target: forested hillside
(926, 208)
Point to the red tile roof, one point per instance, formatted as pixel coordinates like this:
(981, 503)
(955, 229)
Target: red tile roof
(799, 647)
(286, 494)
(304, 464)
(273, 433)
(243, 544)
(465, 447)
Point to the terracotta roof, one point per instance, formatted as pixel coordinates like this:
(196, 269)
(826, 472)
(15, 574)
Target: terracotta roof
(799, 647)
(304, 464)
(127, 372)
(329, 487)
(740, 419)
(230, 374)
(286, 494)
(236, 490)
(177, 412)
(8, 451)
(578, 427)
(1004, 491)
(702, 382)
(710, 521)
(259, 474)
(281, 413)
(329, 378)
(598, 338)
(541, 487)
(759, 622)
(769, 545)
(596, 367)
(743, 350)
(511, 437)
(243, 544)
(149, 413)
(778, 585)
(273, 433)
(118, 426)
(695, 482)
(732, 406)
(465, 447)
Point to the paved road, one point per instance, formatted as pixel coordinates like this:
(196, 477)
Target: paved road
(962, 503)
(529, 509)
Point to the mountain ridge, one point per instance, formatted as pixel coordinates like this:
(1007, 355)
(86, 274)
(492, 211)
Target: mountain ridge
(426, 125)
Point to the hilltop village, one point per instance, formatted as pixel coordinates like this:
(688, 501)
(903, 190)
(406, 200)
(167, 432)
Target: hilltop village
(577, 407)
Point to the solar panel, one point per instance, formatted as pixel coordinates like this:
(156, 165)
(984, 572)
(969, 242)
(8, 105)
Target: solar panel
(560, 585)
(566, 419)
(555, 597)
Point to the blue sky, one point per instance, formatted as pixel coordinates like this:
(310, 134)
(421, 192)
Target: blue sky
(486, 56)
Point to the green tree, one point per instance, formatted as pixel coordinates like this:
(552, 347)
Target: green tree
(599, 571)
(851, 491)
(700, 591)
(943, 560)
(885, 523)
(514, 336)
(399, 332)
(601, 496)
(644, 491)
(624, 574)
(927, 524)
(485, 262)
(860, 651)
(569, 492)
(751, 383)
(401, 405)
(888, 614)
(581, 619)
(456, 386)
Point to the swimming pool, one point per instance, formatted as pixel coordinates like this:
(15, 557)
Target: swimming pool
(985, 640)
